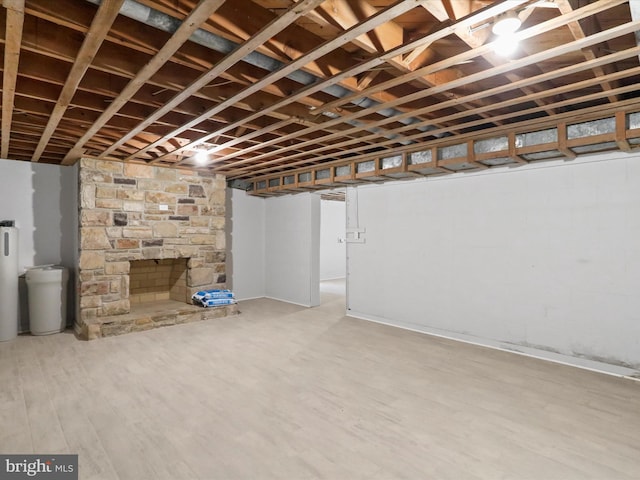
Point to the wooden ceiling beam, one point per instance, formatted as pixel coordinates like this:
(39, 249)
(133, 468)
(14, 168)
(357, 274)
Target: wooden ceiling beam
(105, 16)
(378, 19)
(125, 32)
(95, 103)
(541, 121)
(13, 39)
(586, 114)
(258, 39)
(398, 131)
(65, 132)
(367, 77)
(621, 127)
(99, 83)
(347, 13)
(114, 60)
(287, 112)
(444, 12)
(523, 112)
(198, 16)
(532, 59)
(239, 139)
(83, 118)
(504, 104)
(578, 32)
(261, 124)
(390, 36)
(478, 39)
(269, 124)
(220, 148)
(380, 59)
(475, 40)
(289, 44)
(82, 100)
(127, 39)
(530, 32)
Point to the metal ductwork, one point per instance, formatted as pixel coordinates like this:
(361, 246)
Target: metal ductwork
(166, 23)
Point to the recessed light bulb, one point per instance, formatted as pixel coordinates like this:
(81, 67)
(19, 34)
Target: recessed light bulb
(202, 157)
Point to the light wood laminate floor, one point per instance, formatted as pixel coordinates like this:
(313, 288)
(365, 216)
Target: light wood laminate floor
(284, 392)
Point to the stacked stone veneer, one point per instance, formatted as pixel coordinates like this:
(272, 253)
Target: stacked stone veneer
(138, 212)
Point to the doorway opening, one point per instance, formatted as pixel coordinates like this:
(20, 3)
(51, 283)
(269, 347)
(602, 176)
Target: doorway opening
(333, 252)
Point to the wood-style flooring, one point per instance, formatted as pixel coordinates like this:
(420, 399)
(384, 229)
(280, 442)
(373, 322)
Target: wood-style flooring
(286, 392)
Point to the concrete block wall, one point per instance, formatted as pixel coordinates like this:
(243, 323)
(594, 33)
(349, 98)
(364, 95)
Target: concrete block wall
(544, 256)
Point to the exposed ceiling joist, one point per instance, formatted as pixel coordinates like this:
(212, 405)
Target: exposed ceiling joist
(532, 59)
(258, 39)
(13, 38)
(270, 86)
(93, 40)
(193, 21)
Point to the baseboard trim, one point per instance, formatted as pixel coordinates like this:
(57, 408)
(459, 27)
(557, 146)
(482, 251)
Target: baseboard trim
(288, 301)
(249, 298)
(583, 363)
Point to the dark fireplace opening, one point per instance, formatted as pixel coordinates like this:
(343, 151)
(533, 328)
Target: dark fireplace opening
(155, 281)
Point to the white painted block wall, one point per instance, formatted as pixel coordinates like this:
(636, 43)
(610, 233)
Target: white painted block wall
(245, 228)
(544, 255)
(43, 201)
(292, 249)
(281, 247)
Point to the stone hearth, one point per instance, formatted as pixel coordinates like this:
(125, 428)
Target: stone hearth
(172, 222)
(148, 316)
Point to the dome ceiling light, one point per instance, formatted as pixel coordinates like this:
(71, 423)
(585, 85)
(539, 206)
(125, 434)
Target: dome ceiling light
(504, 29)
(506, 24)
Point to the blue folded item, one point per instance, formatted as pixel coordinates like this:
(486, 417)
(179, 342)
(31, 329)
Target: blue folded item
(212, 298)
(215, 302)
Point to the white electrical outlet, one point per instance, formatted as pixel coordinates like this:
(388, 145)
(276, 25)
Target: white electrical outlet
(356, 235)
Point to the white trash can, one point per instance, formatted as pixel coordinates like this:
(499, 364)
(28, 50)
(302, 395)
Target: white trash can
(47, 291)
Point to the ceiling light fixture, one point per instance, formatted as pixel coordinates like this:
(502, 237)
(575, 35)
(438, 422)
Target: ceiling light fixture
(504, 28)
(202, 157)
(506, 24)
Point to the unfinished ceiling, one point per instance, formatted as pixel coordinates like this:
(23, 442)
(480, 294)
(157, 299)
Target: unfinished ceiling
(270, 90)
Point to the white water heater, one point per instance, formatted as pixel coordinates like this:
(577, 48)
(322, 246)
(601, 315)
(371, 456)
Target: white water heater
(8, 282)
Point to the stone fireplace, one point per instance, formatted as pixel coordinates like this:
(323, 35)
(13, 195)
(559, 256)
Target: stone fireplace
(150, 237)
